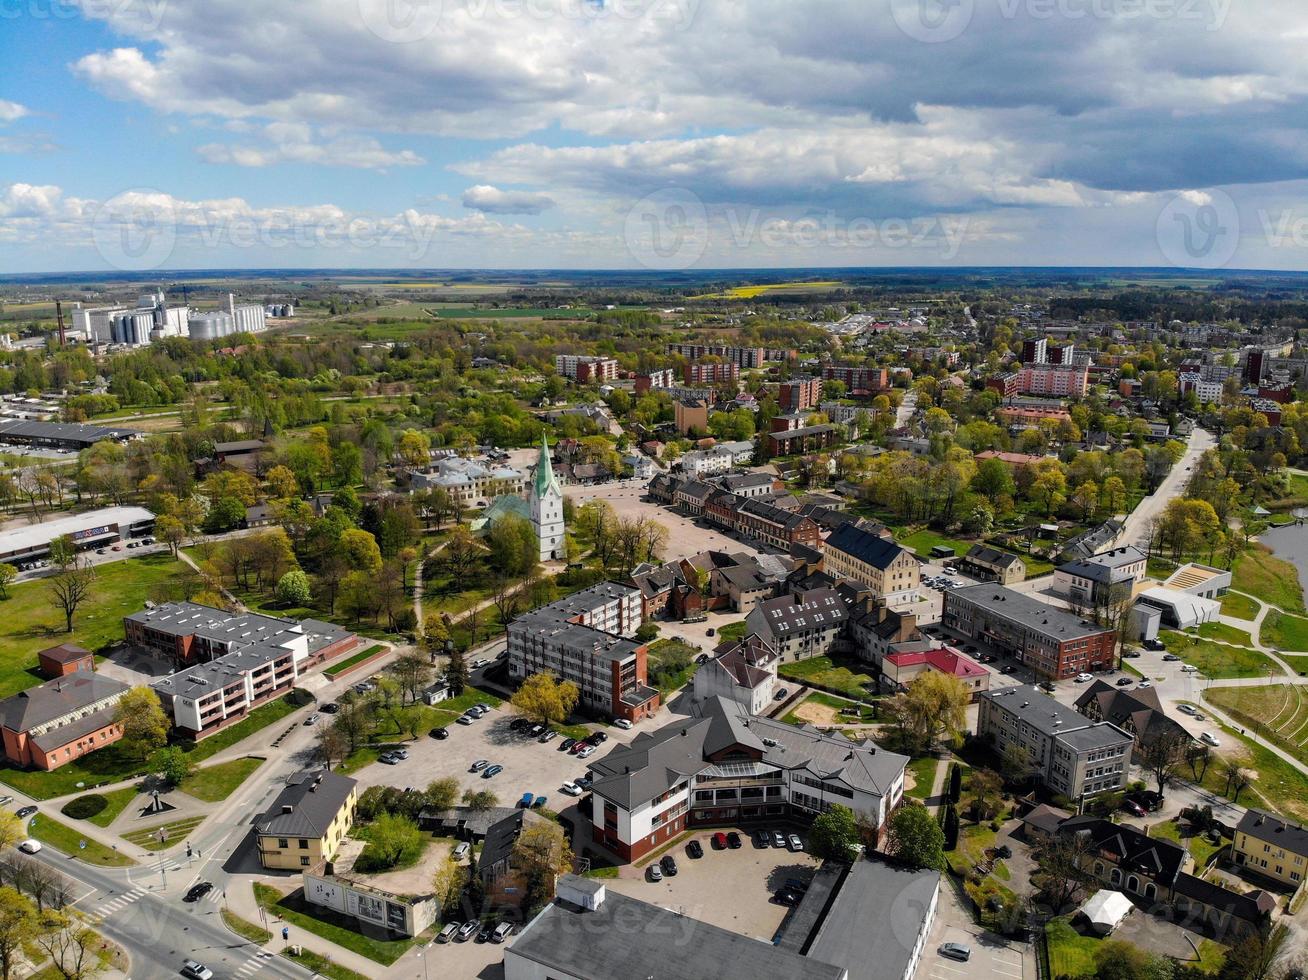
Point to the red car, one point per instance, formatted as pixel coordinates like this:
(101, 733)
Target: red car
(720, 841)
(1133, 808)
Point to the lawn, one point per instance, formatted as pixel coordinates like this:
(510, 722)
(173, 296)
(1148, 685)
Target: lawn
(118, 800)
(215, 783)
(1276, 712)
(65, 838)
(924, 774)
(1225, 633)
(339, 668)
(1259, 573)
(1239, 606)
(824, 672)
(1218, 660)
(1199, 846)
(1070, 953)
(732, 632)
(174, 831)
(29, 623)
(322, 966)
(923, 541)
(865, 714)
(339, 929)
(245, 929)
(659, 652)
(1284, 632)
(1281, 787)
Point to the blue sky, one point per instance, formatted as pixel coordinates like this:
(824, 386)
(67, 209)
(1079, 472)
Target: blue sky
(652, 133)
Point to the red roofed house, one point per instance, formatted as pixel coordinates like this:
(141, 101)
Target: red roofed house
(899, 668)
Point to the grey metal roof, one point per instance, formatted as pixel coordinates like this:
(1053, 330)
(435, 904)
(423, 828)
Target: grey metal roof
(1050, 717)
(626, 938)
(1018, 607)
(54, 699)
(62, 431)
(307, 806)
(815, 609)
(1104, 567)
(864, 545)
(1274, 829)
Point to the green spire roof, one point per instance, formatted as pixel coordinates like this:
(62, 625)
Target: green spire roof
(545, 480)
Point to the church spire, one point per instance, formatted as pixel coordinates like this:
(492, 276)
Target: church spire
(545, 479)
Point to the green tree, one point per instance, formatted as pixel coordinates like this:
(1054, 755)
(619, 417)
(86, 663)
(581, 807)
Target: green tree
(1116, 959)
(225, 514)
(172, 764)
(293, 589)
(480, 799)
(915, 838)
(545, 699)
(62, 551)
(951, 828)
(457, 672)
(361, 551)
(18, 927)
(955, 782)
(443, 793)
(141, 717)
(392, 840)
(448, 883)
(541, 854)
(834, 834)
(7, 574)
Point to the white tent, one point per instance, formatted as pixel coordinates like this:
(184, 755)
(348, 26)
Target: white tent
(1106, 910)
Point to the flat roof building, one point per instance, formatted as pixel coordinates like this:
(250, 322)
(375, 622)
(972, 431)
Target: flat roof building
(90, 529)
(71, 436)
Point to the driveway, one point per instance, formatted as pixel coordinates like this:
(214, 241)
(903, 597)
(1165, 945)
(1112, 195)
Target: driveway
(730, 889)
(993, 957)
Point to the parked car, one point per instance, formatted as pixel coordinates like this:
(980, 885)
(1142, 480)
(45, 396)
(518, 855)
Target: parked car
(502, 932)
(196, 971)
(1133, 808)
(389, 759)
(1187, 709)
(330, 708)
(572, 789)
(1124, 682)
(464, 720)
(548, 735)
(1210, 739)
(587, 752)
(482, 705)
(30, 846)
(720, 841)
(449, 932)
(25, 811)
(1188, 668)
(461, 850)
(576, 747)
(6, 799)
(1009, 669)
(1130, 653)
(491, 771)
(597, 738)
(535, 730)
(479, 765)
(439, 733)
(1082, 677)
(400, 753)
(198, 891)
(526, 800)
(669, 865)
(623, 723)
(956, 951)
(485, 932)
(733, 840)
(781, 695)
(786, 897)
(567, 744)
(1153, 644)
(519, 724)
(1145, 682)
(539, 802)
(1171, 658)
(654, 873)
(584, 781)
(761, 838)
(793, 841)
(778, 839)
(467, 931)
(702, 659)
(695, 849)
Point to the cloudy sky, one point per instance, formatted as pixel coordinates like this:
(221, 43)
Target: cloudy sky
(652, 133)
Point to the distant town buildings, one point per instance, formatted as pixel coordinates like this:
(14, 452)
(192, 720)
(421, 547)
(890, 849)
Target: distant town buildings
(586, 370)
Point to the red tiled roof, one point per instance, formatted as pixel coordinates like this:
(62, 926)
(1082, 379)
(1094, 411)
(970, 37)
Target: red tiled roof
(947, 660)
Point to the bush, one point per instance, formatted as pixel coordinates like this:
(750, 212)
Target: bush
(393, 841)
(293, 589)
(581, 578)
(84, 807)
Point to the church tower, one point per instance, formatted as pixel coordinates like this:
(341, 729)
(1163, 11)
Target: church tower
(547, 507)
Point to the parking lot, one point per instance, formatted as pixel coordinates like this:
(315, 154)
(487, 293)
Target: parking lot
(993, 957)
(728, 888)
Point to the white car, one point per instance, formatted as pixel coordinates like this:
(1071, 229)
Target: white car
(1188, 709)
(572, 789)
(1145, 682)
(1210, 739)
(587, 752)
(623, 723)
(1083, 677)
(1189, 668)
(30, 846)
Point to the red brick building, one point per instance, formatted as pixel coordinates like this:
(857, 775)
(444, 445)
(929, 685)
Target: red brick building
(65, 659)
(54, 723)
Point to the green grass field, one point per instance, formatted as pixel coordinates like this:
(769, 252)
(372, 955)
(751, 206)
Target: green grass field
(924, 774)
(175, 831)
(67, 839)
(118, 800)
(923, 541)
(338, 668)
(1259, 573)
(1218, 660)
(1070, 953)
(1199, 846)
(1239, 606)
(215, 783)
(29, 623)
(334, 928)
(1284, 632)
(1225, 633)
(823, 671)
(1279, 785)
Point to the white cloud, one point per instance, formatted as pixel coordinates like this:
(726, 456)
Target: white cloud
(296, 143)
(11, 111)
(492, 200)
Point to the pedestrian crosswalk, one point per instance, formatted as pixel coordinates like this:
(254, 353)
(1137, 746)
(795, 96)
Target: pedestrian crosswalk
(117, 903)
(252, 965)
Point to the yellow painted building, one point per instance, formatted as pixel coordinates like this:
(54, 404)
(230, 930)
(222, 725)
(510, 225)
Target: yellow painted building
(1272, 846)
(307, 821)
(869, 559)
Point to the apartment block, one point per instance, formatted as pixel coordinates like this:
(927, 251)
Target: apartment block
(800, 393)
(743, 357)
(859, 381)
(711, 372)
(868, 558)
(586, 369)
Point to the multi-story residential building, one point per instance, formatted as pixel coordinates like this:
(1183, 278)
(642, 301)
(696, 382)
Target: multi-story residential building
(746, 674)
(992, 565)
(800, 393)
(705, 462)
(1102, 579)
(307, 821)
(806, 439)
(726, 766)
(1054, 380)
(1271, 845)
(1207, 390)
(1026, 417)
(711, 372)
(800, 625)
(584, 638)
(859, 381)
(61, 720)
(655, 380)
(585, 369)
(690, 416)
(780, 528)
(1035, 351)
(743, 357)
(238, 661)
(1053, 642)
(470, 482)
(1137, 711)
(870, 559)
(1072, 755)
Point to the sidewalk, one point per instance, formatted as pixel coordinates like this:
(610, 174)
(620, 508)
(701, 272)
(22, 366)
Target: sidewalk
(240, 900)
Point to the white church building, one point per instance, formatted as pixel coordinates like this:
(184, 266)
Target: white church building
(547, 508)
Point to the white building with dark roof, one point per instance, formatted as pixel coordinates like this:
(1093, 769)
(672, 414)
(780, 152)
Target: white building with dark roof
(801, 625)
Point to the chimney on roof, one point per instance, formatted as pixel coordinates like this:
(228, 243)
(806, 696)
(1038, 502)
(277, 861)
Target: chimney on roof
(287, 808)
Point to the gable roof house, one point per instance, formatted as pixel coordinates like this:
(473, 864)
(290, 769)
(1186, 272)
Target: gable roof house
(1137, 711)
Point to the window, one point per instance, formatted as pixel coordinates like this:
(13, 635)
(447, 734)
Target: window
(283, 842)
(304, 844)
(304, 862)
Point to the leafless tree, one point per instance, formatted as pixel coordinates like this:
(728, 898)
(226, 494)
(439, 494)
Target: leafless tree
(1162, 753)
(1062, 873)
